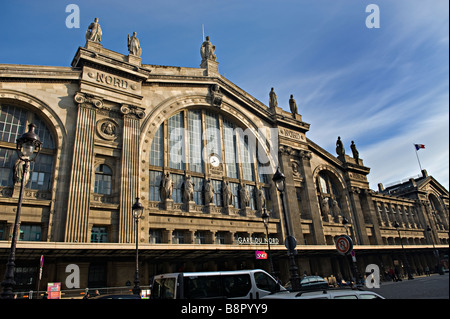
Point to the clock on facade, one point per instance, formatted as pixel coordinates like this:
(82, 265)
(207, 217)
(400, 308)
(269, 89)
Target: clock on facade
(214, 160)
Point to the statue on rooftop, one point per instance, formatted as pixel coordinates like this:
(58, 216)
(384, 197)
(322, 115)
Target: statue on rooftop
(272, 99)
(94, 32)
(207, 50)
(133, 45)
(340, 147)
(293, 106)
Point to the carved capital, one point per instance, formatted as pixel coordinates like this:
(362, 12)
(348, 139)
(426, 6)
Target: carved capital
(215, 95)
(286, 150)
(131, 110)
(87, 100)
(305, 154)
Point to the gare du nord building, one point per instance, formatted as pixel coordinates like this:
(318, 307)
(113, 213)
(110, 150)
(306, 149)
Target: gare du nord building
(114, 128)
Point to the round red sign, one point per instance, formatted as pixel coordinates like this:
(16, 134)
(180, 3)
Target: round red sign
(344, 244)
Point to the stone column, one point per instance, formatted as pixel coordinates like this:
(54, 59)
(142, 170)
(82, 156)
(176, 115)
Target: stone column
(310, 204)
(129, 177)
(82, 170)
(371, 208)
(290, 197)
(358, 218)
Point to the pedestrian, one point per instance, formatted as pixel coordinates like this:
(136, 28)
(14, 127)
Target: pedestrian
(87, 295)
(392, 274)
(427, 270)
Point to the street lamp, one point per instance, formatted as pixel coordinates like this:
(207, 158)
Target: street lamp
(410, 276)
(138, 210)
(435, 252)
(28, 147)
(355, 271)
(279, 180)
(265, 217)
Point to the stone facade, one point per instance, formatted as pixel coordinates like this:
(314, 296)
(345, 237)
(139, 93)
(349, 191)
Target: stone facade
(105, 111)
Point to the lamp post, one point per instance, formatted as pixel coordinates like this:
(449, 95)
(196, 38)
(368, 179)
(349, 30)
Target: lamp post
(265, 217)
(28, 147)
(279, 180)
(410, 276)
(138, 210)
(435, 252)
(355, 271)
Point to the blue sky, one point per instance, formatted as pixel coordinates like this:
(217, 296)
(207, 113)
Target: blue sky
(384, 88)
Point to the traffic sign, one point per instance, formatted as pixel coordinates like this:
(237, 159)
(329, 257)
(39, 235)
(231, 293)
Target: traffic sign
(290, 242)
(344, 244)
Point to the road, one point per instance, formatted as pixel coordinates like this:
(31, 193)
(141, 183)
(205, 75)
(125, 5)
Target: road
(431, 287)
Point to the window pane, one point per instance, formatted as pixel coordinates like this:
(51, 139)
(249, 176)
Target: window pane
(218, 199)
(195, 141)
(177, 180)
(157, 148)
(230, 149)
(13, 120)
(234, 188)
(154, 182)
(7, 160)
(99, 235)
(246, 158)
(212, 134)
(198, 190)
(176, 141)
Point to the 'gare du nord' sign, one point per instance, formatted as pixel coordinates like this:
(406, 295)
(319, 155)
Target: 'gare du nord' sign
(257, 241)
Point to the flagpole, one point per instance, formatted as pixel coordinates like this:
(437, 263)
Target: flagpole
(417, 155)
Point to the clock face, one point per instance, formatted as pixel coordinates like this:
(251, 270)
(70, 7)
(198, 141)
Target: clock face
(214, 160)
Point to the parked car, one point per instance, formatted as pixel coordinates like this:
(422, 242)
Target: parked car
(325, 294)
(239, 284)
(310, 282)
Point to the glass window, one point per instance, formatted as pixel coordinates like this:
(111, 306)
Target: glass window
(12, 123)
(236, 285)
(178, 237)
(198, 190)
(41, 172)
(155, 236)
(264, 282)
(246, 157)
(200, 237)
(368, 296)
(99, 234)
(3, 230)
(30, 232)
(154, 183)
(177, 194)
(7, 159)
(234, 188)
(220, 238)
(252, 191)
(200, 287)
(212, 134)
(345, 297)
(164, 288)
(157, 148)
(176, 141)
(218, 198)
(103, 180)
(230, 149)
(195, 141)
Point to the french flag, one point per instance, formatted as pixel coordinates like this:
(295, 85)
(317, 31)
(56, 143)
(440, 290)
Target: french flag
(419, 146)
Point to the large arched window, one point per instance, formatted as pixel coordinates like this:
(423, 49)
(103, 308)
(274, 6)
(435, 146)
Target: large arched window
(13, 122)
(329, 196)
(207, 146)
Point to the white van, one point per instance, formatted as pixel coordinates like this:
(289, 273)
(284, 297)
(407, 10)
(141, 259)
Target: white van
(240, 284)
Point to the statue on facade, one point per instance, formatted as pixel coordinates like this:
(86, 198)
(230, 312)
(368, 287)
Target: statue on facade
(340, 147)
(293, 106)
(207, 50)
(209, 192)
(244, 196)
(94, 32)
(261, 199)
(355, 152)
(188, 193)
(325, 206)
(166, 187)
(18, 172)
(273, 99)
(133, 45)
(227, 195)
(336, 208)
